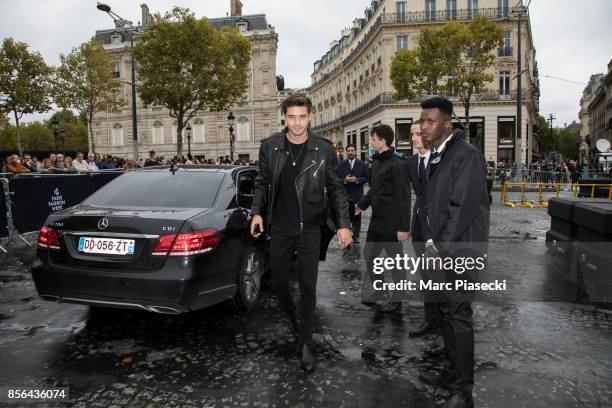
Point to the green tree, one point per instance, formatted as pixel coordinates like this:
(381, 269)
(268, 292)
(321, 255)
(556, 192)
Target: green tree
(569, 142)
(4, 122)
(187, 66)
(543, 137)
(451, 60)
(280, 83)
(85, 82)
(24, 82)
(37, 138)
(75, 130)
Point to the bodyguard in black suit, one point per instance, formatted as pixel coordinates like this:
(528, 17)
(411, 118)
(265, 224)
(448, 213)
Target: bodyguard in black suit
(457, 212)
(417, 170)
(389, 197)
(354, 173)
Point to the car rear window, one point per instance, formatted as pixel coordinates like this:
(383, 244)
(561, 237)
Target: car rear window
(159, 188)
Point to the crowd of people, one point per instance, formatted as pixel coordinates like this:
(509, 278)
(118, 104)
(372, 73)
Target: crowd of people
(567, 171)
(59, 163)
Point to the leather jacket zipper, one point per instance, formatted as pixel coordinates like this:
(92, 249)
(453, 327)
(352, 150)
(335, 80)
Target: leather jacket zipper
(318, 168)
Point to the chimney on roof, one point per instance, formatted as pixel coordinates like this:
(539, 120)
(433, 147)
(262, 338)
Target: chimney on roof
(146, 15)
(235, 8)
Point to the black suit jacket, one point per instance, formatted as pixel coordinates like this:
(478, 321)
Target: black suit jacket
(360, 170)
(457, 200)
(418, 229)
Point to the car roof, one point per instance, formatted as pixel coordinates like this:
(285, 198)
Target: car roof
(213, 168)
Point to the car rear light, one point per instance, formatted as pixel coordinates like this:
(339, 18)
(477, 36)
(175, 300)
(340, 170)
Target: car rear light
(192, 243)
(47, 238)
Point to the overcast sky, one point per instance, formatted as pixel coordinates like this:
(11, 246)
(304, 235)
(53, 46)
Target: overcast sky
(572, 38)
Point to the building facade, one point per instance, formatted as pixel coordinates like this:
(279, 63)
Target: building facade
(600, 109)
(255, 119)
(352, 91)
(587, 143)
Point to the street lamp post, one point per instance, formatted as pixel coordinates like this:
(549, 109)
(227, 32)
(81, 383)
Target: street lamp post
(62, 135)
(55, 126)
(106, 8)
(520, 11)
(188, 132)
(553, 154)
(230, 119)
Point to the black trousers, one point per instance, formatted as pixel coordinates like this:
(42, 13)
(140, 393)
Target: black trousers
(283, 244)
(458, 332)
(355, 219)
(430, 305)
(381, 246)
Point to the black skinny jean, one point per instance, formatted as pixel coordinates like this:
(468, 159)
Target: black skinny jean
(282, 246)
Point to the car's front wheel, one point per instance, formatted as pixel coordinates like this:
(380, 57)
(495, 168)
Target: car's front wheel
(249, 280)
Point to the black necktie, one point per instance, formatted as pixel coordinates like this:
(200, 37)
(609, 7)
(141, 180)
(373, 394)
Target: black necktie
(421, 170)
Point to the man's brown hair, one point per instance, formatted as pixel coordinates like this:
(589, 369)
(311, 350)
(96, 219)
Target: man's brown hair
(296, 100)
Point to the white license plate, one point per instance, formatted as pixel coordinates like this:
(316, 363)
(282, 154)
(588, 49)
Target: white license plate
(110, 246)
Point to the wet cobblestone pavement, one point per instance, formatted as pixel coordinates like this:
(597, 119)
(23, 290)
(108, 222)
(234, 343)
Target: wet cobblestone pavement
(552, 353)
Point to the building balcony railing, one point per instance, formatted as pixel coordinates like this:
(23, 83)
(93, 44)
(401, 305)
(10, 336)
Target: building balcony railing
(388, 98)
(504, 52)
(412, 17)
(116, 46)
(444, 15)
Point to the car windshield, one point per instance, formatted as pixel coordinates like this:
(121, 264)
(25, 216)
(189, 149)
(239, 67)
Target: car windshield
(147, 189)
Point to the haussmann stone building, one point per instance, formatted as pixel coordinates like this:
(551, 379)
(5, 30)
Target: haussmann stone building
(352, 91)
(256, 118)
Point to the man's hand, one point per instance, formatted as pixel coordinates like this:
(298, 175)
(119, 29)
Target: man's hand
(432, 252)
(402, 236)
(344, 236)
(257, 226)
(357, 210)
(353, 179)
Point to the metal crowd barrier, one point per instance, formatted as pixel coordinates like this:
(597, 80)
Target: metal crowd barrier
(577, 189)
(29, 198)
(529, 176)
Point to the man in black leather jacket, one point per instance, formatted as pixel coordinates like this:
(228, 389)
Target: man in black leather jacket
(296, 169)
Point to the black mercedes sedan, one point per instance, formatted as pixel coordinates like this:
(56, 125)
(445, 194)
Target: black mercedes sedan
(162, 239)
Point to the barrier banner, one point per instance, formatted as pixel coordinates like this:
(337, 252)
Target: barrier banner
(34, 198)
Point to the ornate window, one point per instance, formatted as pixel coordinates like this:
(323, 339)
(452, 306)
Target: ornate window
(199, 131)
(117, 135)
(157, 133)
(243, 129)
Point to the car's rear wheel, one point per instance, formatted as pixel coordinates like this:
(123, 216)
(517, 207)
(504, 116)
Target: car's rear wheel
(249, 280)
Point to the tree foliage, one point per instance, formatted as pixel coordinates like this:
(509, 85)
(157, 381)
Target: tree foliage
(39, 137)
(187, 66)
(85, 82)
(450, 60)
(567, 139)
(568, 142)
(24, 82)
